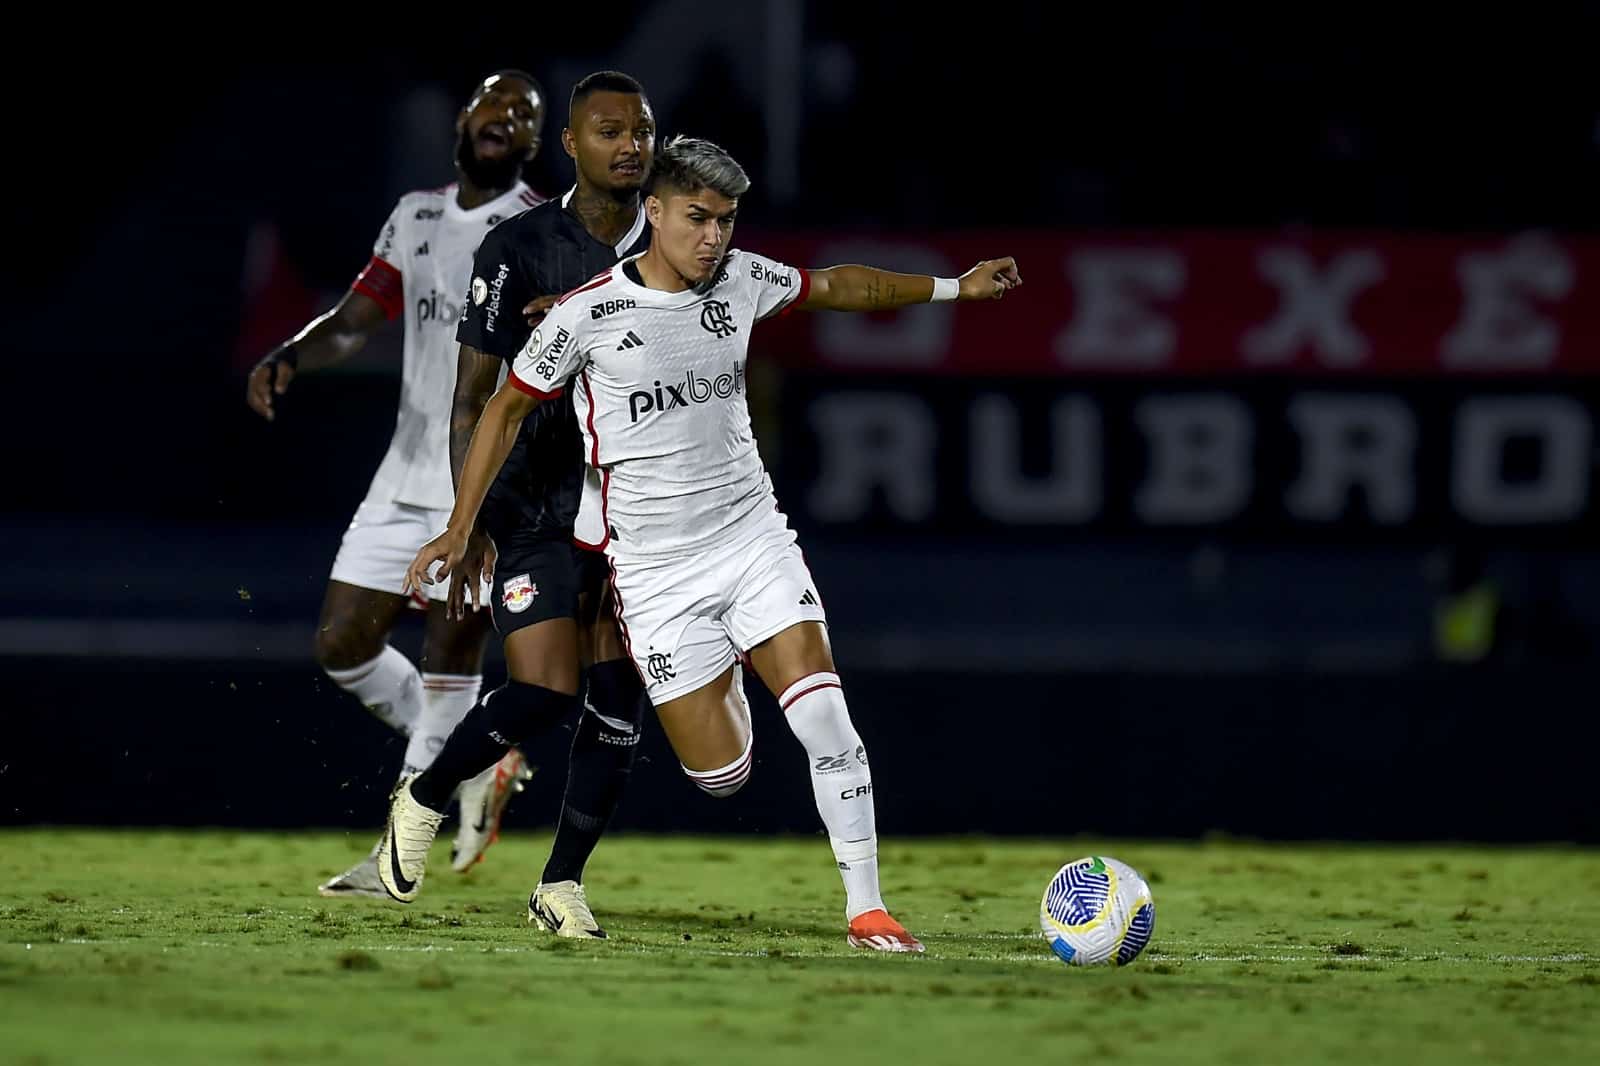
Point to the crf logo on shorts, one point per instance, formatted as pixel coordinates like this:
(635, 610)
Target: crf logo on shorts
(659, 667)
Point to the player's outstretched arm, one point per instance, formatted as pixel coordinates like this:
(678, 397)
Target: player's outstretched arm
(864, 288)
(486, 453)
(325, 340)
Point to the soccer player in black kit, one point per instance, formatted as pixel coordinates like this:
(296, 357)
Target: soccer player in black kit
(547, 593)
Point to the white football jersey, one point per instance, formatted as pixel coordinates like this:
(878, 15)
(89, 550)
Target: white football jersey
(658, 385)
(421, 267)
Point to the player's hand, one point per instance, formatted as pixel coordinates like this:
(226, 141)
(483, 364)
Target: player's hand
(475, 571)
(448, 548)
(269, 378)
(537, 308)
(990, 279)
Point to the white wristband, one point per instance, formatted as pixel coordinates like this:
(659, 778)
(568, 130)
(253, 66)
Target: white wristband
(944, 290)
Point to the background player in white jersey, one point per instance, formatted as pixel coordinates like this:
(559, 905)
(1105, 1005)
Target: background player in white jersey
(419, 270)
(704, 565)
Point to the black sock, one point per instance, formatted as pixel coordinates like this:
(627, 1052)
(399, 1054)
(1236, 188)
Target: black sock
(598, 768)
(510, 714)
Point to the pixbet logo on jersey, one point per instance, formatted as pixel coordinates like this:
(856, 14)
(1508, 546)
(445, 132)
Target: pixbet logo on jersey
(692, 389)
(436, 306)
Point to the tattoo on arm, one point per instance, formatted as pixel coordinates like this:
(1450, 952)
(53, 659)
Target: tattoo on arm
(880, 292)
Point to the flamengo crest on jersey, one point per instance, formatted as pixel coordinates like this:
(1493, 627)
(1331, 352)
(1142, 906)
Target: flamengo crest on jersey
(421, 269)
(658, 385)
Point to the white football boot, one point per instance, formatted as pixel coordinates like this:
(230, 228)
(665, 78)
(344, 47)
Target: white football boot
(562, 908)
(361, 880)
(483, 800)
(403, 851)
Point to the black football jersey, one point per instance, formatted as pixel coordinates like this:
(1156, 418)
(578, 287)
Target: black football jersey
(544, 251)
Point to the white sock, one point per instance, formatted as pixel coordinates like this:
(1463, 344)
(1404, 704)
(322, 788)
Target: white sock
(388, 686)
(815, 709)
(861, 884)
(446, 699)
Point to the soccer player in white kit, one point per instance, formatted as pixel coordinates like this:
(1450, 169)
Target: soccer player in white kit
(420, 268)
(704, 566)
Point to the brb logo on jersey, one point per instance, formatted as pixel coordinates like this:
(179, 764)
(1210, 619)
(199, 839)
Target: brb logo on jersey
(692, 389)
(610, 307)
(715, 319)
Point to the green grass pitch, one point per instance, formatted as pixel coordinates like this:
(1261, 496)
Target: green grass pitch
(176, 947)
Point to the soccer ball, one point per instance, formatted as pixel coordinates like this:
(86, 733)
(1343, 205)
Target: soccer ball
(1097, 910)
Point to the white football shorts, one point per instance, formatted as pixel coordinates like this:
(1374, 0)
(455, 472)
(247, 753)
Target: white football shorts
(380, 542)
(686, 620)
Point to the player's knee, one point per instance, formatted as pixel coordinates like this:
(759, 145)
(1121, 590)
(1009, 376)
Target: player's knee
(344, 648)
(720, 790)
(516, 711)
(724, 781)
(615, 691)
(460, 653)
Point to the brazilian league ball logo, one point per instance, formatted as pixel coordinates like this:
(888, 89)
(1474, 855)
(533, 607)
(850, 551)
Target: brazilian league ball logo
(1097, 911)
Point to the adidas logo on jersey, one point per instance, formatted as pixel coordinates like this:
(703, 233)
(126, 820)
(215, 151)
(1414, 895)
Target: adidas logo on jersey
(809, 599)
(692, 389)
(632, 340)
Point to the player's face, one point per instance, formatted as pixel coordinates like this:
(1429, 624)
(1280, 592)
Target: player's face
(501, 121)
(612, 140)
(693, 230)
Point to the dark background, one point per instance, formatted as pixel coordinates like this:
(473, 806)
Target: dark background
(177, 210)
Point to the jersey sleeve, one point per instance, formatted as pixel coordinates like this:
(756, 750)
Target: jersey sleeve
(491, 316)
(383, 278)
(554, 353)
(776, 287)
